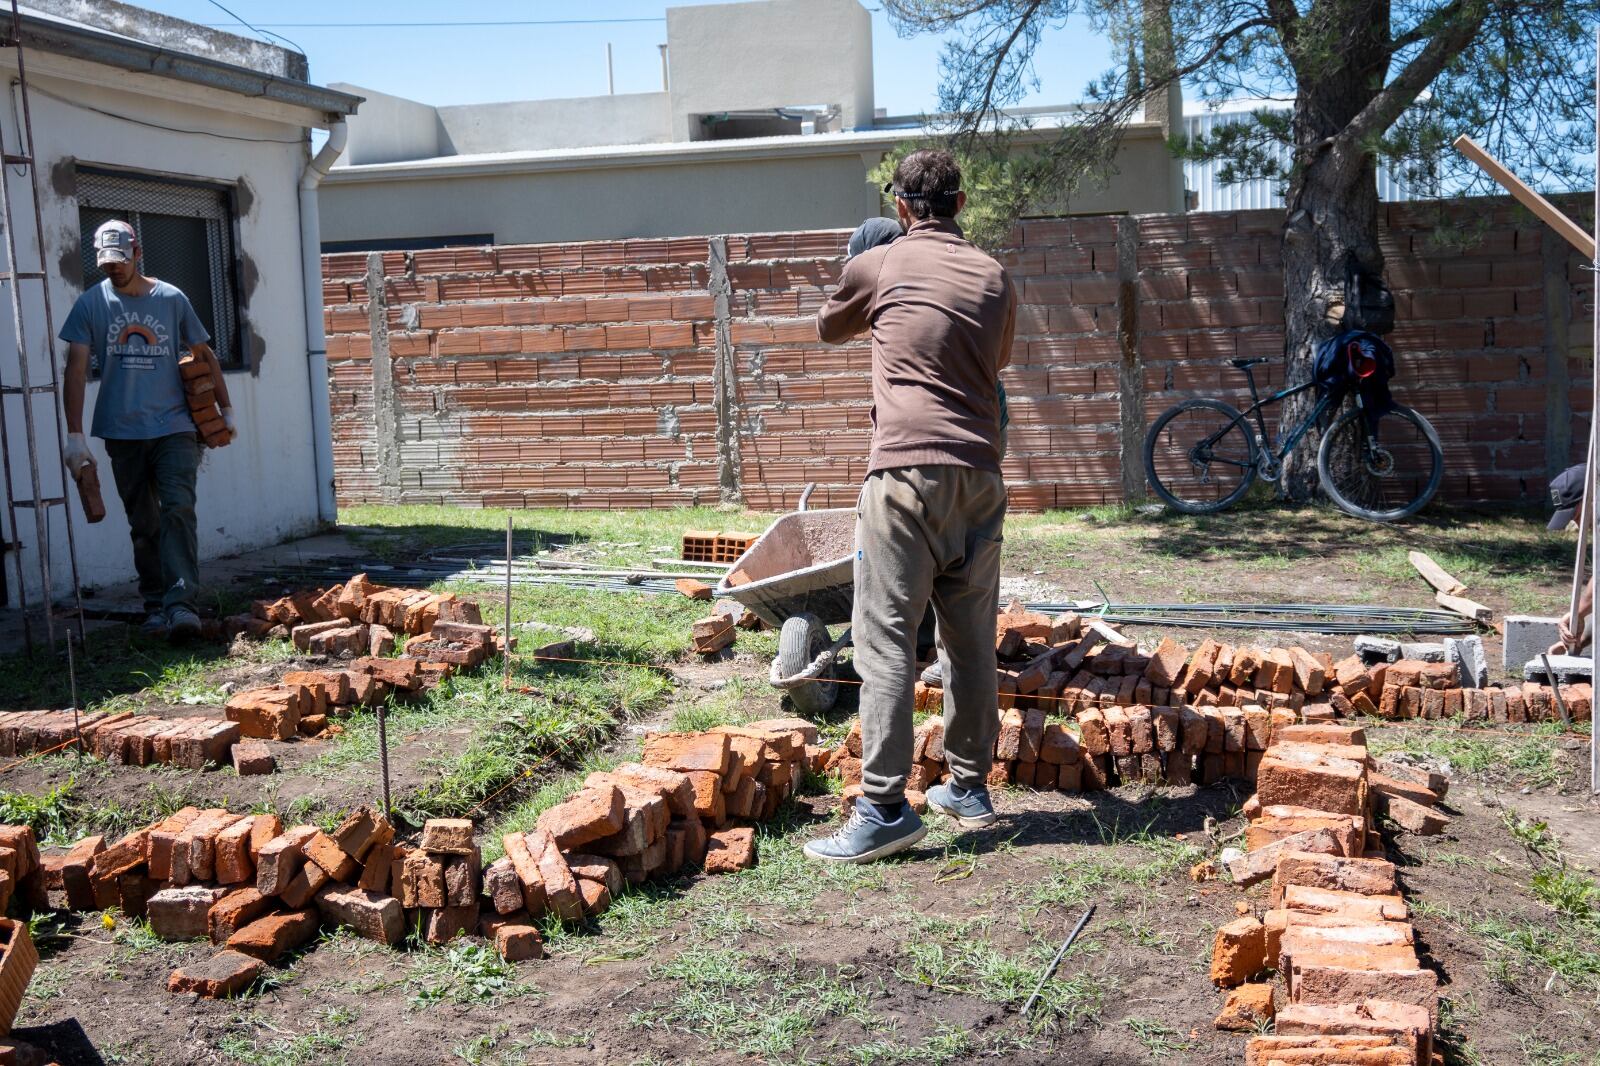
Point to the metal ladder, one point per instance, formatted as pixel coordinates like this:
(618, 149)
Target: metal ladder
(13, 278)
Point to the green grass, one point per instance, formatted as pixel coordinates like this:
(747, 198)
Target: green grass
(464, 973)
(1501, 555)
(60, 816)
(959, 958)
(733, 1000)
(624, 537)
(947, 1045)
(1159, 1040)
(317, 1045)
(121, 670)
(1533, 758)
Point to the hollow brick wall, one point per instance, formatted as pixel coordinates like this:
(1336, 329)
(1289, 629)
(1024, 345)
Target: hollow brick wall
(658, 373)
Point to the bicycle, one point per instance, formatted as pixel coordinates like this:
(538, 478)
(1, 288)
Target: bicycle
(1202, 455)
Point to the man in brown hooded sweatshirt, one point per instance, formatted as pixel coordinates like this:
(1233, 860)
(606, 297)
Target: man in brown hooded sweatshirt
(941, 314)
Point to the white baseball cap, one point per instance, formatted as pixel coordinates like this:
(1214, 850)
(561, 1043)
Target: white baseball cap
(113, 242)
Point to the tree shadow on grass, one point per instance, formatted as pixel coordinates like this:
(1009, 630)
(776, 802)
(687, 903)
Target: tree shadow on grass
(1487, 537)
(117, 661)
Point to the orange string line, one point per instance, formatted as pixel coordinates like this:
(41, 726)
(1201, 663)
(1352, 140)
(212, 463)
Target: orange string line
(37, 754)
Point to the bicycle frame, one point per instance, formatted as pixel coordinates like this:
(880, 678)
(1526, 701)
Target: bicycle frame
(1286, 444)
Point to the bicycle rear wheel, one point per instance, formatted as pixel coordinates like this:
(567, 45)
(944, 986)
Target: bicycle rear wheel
(1383, 472)
(1200, 456)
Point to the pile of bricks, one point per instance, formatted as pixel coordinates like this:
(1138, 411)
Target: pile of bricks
(259, 890)
(359, 621)
(638, 820)
(1126, 717)
(125, 738)
(1337, 930)
(1169, 717)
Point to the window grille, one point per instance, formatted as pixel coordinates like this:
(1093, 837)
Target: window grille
(186, 234)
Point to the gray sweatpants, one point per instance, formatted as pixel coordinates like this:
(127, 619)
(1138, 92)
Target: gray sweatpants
(927, 532)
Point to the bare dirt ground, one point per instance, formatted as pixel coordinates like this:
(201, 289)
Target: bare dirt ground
(924, 959)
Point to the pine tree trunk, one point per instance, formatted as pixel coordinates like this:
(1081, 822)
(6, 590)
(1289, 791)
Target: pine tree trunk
(1336, 215)
(1332, 211)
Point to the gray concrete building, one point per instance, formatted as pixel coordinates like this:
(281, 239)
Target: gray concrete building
(765, 121)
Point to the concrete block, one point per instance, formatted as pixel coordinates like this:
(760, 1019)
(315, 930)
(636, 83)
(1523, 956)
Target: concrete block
(1428, 653)
(1526, 636)
(1469, 659)
(1567, 668)
(1377, 649)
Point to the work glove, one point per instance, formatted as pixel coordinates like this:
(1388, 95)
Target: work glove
(76, 453)
(227, 420)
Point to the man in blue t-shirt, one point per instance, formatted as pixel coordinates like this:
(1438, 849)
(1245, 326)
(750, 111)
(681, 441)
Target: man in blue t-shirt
(136, 327)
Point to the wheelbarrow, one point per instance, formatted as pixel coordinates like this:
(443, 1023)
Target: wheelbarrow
(799, 576)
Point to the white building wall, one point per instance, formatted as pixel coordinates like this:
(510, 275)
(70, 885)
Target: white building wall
(1215, 195)
(261, 489)
(778, 53)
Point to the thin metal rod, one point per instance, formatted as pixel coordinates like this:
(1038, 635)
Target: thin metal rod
(383, 750)
(1055, 962)
(1590, 480)
(1555, 690)
(72, 687)
(506, 653)
(1580, 559)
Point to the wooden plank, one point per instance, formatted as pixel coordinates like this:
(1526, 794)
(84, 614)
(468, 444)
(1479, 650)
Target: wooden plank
(1465, 607)
(1570, 231)
(1435, 575)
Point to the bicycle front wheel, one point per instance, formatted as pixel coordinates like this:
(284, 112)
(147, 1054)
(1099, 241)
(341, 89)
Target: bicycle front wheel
(1200, 456)
(1382, 470)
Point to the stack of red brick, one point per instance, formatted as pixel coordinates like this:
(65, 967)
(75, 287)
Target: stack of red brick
(672, 809)
(441, 632)
(125, 737)
(259, 891)
(1337, 928)
(1411, 688)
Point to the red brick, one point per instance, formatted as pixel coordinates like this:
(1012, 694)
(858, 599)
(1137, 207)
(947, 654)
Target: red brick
(222, 976)
(730, 850)
(274, 936)
(1239, 952)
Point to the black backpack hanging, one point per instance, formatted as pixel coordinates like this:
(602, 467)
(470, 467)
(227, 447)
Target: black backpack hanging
(1368, 303)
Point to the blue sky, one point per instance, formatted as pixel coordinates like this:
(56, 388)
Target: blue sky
(473, 65)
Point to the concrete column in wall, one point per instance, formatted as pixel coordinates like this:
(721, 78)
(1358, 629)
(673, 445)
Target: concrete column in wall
(1557, 348)
(724, 372)
(385, 411)
(1130, 370)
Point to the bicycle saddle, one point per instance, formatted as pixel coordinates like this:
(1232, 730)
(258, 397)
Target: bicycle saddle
(1242, 363)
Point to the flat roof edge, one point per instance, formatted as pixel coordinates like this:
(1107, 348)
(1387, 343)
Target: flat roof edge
(678, 153)
(61, 38)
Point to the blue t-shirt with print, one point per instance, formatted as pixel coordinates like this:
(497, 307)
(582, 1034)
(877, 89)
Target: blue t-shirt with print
(135, 340)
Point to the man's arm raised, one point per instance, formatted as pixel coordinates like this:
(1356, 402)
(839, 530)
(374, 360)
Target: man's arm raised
(847, 313)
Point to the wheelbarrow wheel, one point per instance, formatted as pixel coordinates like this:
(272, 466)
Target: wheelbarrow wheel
(800, 641)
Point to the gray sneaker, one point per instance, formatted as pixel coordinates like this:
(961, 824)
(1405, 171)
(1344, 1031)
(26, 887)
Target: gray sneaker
(863, 838)
(972, 809)
(933, 676)
(155, 623)
(184, 622)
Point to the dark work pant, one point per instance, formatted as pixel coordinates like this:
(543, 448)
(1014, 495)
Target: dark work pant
(927, 535)
(156, 479)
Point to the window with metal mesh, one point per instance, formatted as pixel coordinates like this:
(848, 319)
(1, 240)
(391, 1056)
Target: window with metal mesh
(185, 232)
